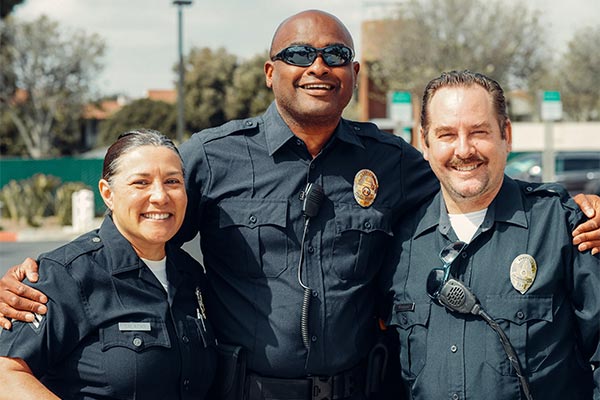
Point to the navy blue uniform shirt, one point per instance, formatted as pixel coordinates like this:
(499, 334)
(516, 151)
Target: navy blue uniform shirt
(109, 331)
(554, 326)
(245, 182)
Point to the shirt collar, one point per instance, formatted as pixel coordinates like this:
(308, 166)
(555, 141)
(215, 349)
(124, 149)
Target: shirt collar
(123, 257)
(277, 133)
(507, 207)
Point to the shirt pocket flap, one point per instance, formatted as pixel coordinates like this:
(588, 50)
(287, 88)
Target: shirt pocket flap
(350, 218)
(519, 310)
(252, 213)
(407, 315)
(142, 335)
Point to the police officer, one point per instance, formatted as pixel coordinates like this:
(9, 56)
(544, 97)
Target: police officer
(301, 305)
(510, 243)
(126, 317)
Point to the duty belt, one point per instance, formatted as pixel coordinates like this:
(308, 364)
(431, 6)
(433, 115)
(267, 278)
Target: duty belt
(337, 387)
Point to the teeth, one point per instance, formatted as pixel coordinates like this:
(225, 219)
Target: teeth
(157, 216)
(466, 167)
(317, 86)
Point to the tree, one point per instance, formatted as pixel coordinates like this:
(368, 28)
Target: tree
(143, 113)
(430, 36)
(580, 76)
(248, 95)
(208, 74)
(53, 71)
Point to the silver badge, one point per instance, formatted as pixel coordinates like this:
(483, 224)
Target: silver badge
(522, 272)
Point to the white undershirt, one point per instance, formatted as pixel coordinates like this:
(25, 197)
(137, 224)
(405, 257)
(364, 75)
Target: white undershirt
(465, 225)
(159, 269)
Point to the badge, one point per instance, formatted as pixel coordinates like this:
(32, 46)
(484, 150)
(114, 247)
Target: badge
(522, 272)
(365, 187)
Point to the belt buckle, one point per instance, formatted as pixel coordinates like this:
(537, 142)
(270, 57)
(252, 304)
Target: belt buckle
(322, 388)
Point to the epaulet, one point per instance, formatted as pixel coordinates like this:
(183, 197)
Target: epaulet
(544, 189)
(370, 130)
(67, 253)
(227, 129)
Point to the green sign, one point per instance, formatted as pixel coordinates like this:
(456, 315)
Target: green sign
(551, 96)
(401, 97)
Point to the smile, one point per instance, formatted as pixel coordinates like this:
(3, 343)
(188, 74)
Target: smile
(156, 216)
(466, 168)
(317, 86)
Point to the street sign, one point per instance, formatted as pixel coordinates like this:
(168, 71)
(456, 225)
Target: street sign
(400, 106)
(551, 106)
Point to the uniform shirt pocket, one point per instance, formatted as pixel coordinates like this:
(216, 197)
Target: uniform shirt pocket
(361, 236)
(411, 321)
(135, 336)
(525, 320)
(253, 236)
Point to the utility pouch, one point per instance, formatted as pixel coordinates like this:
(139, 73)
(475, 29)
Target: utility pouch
(231, 372)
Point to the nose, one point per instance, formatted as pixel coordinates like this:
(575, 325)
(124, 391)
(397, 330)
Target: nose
(464, 147)
(318, 67)
(158, 194)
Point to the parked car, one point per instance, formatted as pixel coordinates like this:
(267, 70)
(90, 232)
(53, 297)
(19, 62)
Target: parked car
(577, 171)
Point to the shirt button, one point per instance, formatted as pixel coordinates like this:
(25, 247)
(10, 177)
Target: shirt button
(464, 255)
(185, 339)
(403, 319)
(312, 166)
(314, 338)
(311, 249)
(137, 342)
(367, 225)
(315, 293)
(453, 348)
(299, 142)
(248, 123)
(529, 188)
(252, 219)
(520, 315)
(96, 239)
(455, 396)
(186, 384)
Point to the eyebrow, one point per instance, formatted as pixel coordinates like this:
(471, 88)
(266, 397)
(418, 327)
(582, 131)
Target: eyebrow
(445, 128)
(146, 174)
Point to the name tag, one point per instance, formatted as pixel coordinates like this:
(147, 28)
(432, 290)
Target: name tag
(134, 326)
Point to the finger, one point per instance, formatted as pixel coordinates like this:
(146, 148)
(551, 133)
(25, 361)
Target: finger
(589, 230)
(11, 286)
(4, 323)
(21, 309)
(28, 269)
(585, 203)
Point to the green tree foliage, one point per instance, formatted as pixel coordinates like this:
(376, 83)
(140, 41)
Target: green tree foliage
(208, 74)
(143, 113)
(427, 37)
(580, 76)
(248, 95)
(53, 69)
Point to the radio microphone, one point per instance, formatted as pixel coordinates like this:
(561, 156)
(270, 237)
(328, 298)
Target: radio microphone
(313, 197)
(455, 296)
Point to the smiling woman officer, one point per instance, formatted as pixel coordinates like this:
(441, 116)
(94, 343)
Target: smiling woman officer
(125, 317)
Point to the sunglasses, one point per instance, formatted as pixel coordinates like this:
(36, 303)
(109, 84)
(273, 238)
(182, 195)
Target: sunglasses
(438, 277)
(335, 55)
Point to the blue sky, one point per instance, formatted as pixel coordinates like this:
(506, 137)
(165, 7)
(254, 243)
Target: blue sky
(141, 35)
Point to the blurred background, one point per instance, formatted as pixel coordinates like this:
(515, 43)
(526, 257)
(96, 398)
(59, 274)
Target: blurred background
(76, 73)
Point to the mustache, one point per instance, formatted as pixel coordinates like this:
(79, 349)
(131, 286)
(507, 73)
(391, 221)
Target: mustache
(461, 162)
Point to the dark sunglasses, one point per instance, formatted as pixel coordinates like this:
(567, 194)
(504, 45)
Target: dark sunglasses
(439, 276)
(335, 55)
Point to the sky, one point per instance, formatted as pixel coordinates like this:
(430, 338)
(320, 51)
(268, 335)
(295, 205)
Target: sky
(141, 35)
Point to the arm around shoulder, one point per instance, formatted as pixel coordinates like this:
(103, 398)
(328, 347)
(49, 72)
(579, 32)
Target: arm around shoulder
(17, 381)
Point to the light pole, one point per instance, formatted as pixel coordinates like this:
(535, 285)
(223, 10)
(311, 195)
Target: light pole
(180, 119)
